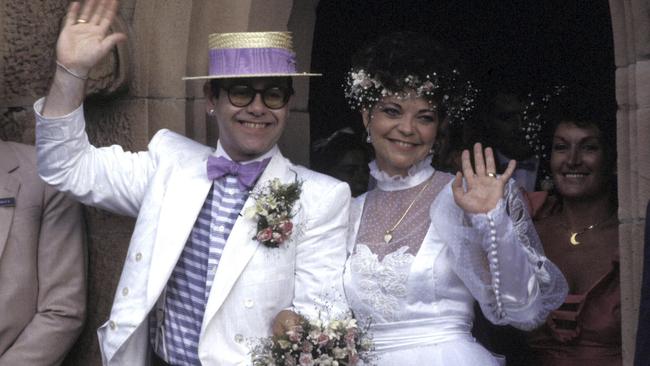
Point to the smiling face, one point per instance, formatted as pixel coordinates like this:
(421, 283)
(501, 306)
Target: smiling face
(403, 130)
(250, 131)
(578, 162)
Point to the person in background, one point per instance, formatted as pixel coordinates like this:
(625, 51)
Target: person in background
(42, 264)
(578, 226)
(227, 237)
(343, 156)
(503, 126)
(424, 245)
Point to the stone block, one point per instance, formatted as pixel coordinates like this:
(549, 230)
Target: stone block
(623, 164)
(622, 87)
(167, 113)
(269, 15)
(641, 23)
(160, 37)
(198, 123)
(617, 10)
(642, 79)
(631, 250)
(123, 122)
(294, 143)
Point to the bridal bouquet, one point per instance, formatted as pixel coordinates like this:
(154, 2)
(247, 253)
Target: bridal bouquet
(315, 343)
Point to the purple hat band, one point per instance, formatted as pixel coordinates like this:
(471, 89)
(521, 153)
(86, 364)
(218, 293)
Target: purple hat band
(251, 61)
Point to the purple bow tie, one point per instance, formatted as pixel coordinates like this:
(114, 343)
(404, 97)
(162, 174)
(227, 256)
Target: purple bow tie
(246, 174)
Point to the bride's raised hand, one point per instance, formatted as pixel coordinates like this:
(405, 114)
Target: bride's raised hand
(84, 39)
(483, 188)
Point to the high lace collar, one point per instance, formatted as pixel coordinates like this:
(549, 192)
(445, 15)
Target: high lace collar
(417, 174)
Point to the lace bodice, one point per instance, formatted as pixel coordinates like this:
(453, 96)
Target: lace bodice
(442, 260)
(384, 207)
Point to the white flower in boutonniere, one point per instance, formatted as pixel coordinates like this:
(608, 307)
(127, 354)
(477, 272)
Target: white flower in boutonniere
(273, 210)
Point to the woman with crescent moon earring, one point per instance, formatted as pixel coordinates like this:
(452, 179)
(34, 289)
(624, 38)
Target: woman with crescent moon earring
(578, 226)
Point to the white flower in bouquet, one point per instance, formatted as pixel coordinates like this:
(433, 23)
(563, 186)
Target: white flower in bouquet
(338, 342)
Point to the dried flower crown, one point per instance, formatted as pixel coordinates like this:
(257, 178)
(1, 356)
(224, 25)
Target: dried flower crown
(362, 90)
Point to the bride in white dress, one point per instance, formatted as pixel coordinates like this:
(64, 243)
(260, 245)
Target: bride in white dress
(425, 245)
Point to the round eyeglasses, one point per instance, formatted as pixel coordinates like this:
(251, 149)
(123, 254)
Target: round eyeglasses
(274, 97)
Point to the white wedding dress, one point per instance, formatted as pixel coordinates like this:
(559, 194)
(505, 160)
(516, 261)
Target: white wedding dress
(417, 293)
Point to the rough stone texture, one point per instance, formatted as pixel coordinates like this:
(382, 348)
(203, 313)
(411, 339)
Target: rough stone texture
(17, 124)
(29, 31)
(631, 26)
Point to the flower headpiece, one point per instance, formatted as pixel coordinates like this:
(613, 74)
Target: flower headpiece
(457, 98)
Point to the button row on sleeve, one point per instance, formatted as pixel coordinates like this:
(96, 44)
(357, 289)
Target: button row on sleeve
(493, 259)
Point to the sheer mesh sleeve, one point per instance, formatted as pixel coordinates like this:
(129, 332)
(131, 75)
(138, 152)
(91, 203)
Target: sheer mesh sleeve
(500, 259)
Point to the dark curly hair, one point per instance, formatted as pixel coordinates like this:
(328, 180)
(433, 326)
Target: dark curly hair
(585, 108)
(401, 60)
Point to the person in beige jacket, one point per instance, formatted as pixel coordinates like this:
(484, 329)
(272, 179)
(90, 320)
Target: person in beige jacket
(42, 264)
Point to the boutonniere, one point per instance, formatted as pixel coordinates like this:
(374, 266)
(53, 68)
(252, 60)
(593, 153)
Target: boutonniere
(273, 210)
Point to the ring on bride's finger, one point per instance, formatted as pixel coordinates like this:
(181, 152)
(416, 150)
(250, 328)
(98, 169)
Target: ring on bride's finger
(493, 175)
(81, 21)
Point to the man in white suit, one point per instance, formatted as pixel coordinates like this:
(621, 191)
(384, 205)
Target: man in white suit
(200, 279)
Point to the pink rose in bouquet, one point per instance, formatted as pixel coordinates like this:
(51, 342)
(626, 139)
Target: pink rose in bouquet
(317, 343)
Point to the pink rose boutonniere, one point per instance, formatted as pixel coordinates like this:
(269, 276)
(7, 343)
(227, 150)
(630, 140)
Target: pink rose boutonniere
(273, 210)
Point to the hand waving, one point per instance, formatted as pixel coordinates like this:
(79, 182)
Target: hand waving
(484, 189)
(84, 39)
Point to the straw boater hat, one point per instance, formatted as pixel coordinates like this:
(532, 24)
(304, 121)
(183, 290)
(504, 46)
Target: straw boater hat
(251, 54)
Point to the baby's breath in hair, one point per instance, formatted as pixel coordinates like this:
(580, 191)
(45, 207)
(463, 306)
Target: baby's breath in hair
(363, 90)
(532, 116)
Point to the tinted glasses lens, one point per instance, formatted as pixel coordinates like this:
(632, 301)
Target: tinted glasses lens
(241, 95)
(275, 97)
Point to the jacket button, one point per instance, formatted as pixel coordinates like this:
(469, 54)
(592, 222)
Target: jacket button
(138, 257)
(248, 303)
(125, 291)
(112, 325)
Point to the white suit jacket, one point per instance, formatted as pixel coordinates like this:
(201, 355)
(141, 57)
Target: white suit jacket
(165, 188)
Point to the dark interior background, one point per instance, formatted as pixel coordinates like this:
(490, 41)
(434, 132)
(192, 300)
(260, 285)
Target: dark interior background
(529, 43)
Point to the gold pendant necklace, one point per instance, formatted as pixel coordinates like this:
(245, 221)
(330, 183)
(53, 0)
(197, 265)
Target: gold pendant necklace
(573, 239)
(388, 235)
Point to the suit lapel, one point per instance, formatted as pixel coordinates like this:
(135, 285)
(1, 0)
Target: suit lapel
(185, 194)
(9, 187)
(241, 246)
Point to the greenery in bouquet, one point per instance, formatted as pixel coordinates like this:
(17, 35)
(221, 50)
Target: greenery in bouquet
(273, 210)
(316, 343)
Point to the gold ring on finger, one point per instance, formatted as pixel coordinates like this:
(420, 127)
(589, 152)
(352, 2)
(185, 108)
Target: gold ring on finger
(81, 21)
(493, 175)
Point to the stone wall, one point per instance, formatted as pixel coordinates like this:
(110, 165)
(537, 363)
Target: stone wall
(631, 27)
